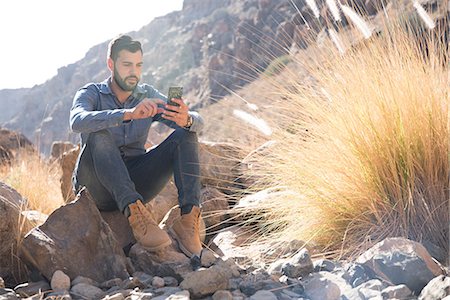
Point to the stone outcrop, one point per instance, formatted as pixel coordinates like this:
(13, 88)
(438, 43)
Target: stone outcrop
(76, 240)
(11, 205)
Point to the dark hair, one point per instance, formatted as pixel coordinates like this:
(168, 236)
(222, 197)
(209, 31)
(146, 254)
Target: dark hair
(122, 42)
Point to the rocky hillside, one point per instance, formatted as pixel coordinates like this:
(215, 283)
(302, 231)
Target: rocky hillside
(209, 47)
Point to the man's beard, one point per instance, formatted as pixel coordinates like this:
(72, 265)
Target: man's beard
(122, 82)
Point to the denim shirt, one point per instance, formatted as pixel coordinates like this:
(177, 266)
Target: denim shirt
(95, 108)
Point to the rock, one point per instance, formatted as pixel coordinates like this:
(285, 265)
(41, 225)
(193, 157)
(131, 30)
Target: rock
(58, 148)
(60, 281)
(324, 286)
(86, 291)
(11, 204)
(14, 142)
(67, 163)
(214, 208)
(120, 227)
(218, 165)
(300, 265)
(323, 265)
(401, 261)
(164, 201)
(204, 282)
(75, 239)
(8, 294)
(168, 262)
(437, 288)
(400, 291)
(157, 282)
(29, 289)
(249, 168)
(2, 283)
(170, 281)
(222, 295)
(263, 295)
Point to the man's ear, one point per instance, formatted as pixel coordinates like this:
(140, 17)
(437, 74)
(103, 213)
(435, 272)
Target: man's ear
(110, 63)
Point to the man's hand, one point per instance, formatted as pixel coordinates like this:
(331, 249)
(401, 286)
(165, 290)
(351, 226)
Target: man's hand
(178, 114)
(145, 109)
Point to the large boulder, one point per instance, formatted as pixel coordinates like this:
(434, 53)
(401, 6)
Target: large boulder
(401, 261)
(76, 240)
(13, 142)
(218, 165)
(11, 204)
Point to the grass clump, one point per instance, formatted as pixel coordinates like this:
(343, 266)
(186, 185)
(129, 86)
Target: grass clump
(36, 180)
(363, 150)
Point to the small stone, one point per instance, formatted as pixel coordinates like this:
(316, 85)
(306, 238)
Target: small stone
(60, 281)
(28, 289)
(170, 281)
(86, 280)
(263, 295)
(208, 258)
(400, 291)
(222, 295)
(157, 282)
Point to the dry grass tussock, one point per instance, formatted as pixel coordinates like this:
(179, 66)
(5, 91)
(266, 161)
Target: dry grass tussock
(35, 179)
(363, 150)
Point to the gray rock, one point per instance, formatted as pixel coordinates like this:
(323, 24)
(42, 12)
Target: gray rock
(399, 291)
(8, 294)
(263, 295)
(87, 280)
(204, 282)
(11, 203)
(77, 240)
(164, 263)
(111, 283)
(158, 282)
(401, 261)
(437, 288)
(28, 289)
(60, 295)
(323, 265)
(300, 265)
(170, 281)
(132, 282)
(324, 286)
(87, 291)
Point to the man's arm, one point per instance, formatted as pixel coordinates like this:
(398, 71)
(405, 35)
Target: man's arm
(84, 116)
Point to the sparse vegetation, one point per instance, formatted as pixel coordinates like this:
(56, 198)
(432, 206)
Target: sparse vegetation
(36, 180)
(363, 150)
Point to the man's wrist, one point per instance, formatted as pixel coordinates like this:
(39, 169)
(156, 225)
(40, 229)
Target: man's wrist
(127, 116)
(189, 122)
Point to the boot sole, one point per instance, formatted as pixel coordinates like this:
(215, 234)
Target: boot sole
(156, 248)
(180, 244)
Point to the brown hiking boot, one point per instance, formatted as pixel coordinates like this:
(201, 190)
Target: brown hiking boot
(145, 229)
(185, 230)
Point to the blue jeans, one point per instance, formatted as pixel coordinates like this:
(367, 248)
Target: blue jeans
(115, 182)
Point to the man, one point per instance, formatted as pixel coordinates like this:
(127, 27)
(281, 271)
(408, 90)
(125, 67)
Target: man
(114, 117)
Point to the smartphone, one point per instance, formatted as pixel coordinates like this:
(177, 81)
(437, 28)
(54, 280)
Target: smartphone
(174, 92)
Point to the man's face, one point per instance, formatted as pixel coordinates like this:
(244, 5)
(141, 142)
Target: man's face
(127, 69)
